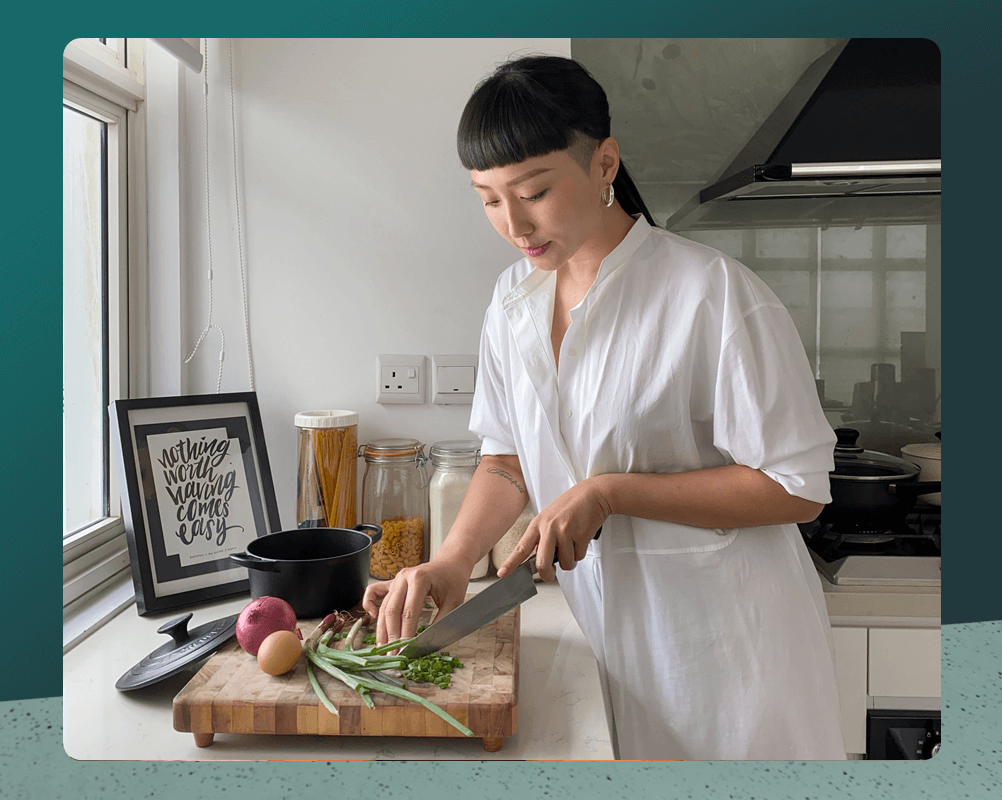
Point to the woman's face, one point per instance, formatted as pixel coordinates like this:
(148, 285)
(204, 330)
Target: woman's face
(547, 206)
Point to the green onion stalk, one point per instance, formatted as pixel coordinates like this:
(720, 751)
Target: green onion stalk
(345, 664)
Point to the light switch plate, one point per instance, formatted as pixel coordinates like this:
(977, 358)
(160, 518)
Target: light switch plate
(400, 379)
(453, 379)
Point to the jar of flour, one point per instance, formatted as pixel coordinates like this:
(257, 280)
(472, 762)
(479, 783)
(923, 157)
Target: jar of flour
(453, 464)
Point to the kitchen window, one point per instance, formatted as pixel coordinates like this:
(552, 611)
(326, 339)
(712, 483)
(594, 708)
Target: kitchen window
(103, 266)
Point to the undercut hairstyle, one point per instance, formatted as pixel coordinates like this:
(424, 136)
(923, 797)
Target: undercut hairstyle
(582, 149)
(536, 105)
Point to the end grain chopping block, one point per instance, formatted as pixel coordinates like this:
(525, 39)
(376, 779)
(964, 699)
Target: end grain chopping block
(230, 694)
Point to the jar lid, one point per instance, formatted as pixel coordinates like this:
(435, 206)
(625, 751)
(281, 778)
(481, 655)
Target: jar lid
(455, 450)
(393, 448)
(326, 419)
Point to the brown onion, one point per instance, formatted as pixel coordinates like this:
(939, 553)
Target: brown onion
(262, 617)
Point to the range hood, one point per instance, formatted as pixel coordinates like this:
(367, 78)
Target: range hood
(855, 142)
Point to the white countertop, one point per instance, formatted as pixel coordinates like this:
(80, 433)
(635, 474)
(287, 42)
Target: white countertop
(560, 712)
(560, 715)
(882, 606)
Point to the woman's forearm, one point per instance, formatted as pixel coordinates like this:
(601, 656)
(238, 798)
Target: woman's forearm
(733, 496)
(493, 501)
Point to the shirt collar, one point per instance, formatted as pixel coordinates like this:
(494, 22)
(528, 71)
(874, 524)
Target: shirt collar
(620, 254)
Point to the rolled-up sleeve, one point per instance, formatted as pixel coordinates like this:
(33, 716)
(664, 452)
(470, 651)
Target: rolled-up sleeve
(767, 414)
(489, 417)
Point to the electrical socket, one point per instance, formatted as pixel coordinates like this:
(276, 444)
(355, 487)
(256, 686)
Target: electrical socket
(400, 379)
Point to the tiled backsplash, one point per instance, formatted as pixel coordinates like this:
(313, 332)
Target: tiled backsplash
(859, 297)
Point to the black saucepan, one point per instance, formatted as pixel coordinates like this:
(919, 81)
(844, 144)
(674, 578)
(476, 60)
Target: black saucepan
(315, 570)
(870, 488)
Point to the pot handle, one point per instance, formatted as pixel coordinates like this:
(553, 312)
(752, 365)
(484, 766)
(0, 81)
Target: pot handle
(250, 561)
(914, 488)
(374, 531)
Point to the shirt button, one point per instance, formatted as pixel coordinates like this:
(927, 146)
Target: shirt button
(572, 353)
(568, 413)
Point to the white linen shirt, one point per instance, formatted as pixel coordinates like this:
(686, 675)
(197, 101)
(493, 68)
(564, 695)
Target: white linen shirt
(678, 358)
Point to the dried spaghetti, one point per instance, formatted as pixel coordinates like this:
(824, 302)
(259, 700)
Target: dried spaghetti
(327, 471)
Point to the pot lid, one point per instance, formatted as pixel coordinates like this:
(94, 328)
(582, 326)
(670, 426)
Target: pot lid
(184, 648)
(852, 462)
(932, 450)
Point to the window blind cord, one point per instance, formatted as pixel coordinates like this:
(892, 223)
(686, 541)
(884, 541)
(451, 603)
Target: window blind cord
(208, 233)
(240, 245)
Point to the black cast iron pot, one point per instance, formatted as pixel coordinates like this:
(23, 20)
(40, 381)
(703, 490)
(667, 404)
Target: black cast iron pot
(315, 570)
(871, 490)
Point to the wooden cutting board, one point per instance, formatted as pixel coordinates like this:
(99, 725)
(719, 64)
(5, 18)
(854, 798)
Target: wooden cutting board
(230, 694)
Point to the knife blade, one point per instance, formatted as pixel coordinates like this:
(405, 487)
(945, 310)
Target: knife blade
(486, 606)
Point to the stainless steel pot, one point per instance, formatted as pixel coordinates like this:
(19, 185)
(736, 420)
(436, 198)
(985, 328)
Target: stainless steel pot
(871, 490)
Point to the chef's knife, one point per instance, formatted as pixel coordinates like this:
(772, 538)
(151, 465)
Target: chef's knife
(499, 598)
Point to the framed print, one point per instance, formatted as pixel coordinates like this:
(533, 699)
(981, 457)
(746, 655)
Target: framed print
(196, 486)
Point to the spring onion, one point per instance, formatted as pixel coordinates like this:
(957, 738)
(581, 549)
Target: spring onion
(434, 668)
(349, 665)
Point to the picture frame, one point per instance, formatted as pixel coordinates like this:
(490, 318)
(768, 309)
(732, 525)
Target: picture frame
(196, 485)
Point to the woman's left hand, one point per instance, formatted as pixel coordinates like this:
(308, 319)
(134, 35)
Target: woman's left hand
(564, 528)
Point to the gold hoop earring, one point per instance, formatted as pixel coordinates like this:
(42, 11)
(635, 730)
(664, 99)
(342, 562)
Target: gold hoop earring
(611, 192)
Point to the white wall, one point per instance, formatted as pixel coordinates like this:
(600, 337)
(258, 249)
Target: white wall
(361, 234)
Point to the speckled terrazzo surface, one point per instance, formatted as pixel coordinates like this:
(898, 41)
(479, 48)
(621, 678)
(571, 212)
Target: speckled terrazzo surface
(34, 765)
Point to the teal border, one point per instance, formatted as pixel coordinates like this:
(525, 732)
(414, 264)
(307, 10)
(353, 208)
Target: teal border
(31, 405)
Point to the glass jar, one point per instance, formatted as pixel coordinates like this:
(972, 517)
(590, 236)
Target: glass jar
(453, 464)
(327, 486)
(395, 497)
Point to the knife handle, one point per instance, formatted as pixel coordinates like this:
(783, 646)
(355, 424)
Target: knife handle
(597, 534)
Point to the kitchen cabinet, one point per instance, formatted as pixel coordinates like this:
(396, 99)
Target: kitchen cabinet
(887, 653)
(884, 668)
(850, 672)
(904, 662)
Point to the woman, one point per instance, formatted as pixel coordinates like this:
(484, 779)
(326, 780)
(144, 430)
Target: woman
(634, 381)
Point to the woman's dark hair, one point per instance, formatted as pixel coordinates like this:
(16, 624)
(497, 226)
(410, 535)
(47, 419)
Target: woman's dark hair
(535, 105)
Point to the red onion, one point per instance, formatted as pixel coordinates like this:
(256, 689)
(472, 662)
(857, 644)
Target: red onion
(262, 617)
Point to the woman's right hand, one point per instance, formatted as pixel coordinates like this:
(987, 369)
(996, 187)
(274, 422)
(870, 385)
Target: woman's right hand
(397, 604)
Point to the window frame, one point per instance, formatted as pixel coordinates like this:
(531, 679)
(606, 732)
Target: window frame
(106, 84)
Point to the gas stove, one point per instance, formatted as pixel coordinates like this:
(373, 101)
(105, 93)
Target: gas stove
(906, 553)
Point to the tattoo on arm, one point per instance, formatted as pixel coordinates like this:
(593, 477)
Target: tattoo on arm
(503, 474)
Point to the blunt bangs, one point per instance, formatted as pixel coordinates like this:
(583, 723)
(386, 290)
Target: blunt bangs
(537, 105)
(505, 122)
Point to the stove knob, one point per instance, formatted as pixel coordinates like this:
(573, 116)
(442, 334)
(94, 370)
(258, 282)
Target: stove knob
(932, 740)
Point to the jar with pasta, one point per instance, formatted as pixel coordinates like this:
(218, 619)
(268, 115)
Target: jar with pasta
(327, 485)
(395, 497)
